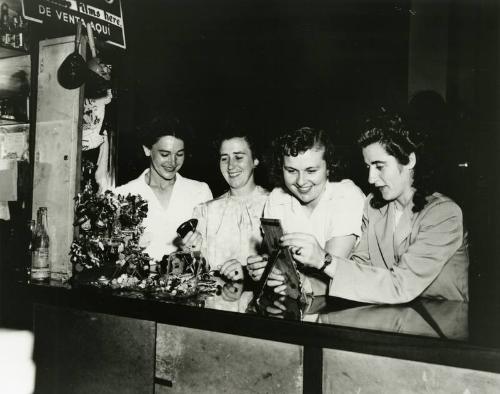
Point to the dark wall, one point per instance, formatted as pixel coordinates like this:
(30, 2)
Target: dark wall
(285, 63)
(473, 99)
(289, 63)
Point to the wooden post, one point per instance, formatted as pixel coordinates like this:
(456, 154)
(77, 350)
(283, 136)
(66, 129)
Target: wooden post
(56, 171)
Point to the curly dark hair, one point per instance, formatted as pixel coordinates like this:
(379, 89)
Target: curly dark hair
(399, 140)
(298, 141)
(162, 125)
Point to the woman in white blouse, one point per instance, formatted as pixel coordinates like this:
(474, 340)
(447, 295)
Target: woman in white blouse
(229, 225)
(171, 197)
(312, 207)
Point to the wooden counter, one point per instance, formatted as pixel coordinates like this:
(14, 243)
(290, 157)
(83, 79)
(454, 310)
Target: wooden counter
(91, 339)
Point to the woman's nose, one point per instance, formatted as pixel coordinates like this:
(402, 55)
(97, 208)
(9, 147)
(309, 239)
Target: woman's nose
(172, 160)
(301, 179)
(372, 176)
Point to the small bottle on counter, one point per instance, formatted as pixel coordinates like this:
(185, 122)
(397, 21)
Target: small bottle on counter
(40, 265)
(4, 18)
(29, 241)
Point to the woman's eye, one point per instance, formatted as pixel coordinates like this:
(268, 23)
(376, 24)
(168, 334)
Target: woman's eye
(312, 171)
(379, 167)
(223, 159)
(290, 170)
(181, 154)
(164, 154)
(239, 158)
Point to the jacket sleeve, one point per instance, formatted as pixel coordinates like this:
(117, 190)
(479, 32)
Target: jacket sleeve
(360, 253)
(439, 236)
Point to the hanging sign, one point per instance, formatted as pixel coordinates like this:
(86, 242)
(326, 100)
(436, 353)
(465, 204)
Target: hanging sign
(105, 16)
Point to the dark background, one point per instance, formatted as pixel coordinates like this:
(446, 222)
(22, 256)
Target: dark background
(326, 64)
(276, 64)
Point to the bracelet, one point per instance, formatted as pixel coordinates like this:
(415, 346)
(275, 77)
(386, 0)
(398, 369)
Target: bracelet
(327, 262)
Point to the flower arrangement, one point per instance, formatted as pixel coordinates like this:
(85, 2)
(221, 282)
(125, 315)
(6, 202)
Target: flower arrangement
(107, 245)
(109, 229)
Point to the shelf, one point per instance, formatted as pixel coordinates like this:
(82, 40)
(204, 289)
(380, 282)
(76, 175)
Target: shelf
(15, 74)
(11, 52)
(10, 122)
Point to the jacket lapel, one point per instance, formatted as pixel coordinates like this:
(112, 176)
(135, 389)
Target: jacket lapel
(384, 235)
(403, 229)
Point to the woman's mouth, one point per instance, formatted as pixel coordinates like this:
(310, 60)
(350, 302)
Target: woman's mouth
(233, 174)
(304, 190)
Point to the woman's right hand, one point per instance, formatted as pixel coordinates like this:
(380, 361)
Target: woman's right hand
(192, 241)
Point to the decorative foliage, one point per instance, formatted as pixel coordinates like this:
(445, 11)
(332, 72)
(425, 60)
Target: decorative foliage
(109, 228)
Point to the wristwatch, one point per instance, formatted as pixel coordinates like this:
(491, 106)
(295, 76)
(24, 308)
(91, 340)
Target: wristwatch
(327, 262)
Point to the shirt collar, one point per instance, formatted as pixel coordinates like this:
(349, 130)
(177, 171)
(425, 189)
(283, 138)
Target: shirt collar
(178, 177)
(325, 196)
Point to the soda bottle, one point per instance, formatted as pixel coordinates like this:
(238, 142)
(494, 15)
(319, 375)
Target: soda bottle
(40, 266)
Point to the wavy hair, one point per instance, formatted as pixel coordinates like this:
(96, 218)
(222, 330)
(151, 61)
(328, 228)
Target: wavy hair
(299, 141)
(162, 125)
(399, 140)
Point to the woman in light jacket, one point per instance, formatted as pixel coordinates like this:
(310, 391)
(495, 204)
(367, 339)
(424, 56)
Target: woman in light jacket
(413, 241)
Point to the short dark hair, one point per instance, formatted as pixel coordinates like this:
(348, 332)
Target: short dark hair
(161, 125)
(229, 131)
(399, 140)
(299, 141)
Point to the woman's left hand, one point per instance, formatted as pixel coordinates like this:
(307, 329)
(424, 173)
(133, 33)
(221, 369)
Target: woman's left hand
(304, 248)
(232, 270)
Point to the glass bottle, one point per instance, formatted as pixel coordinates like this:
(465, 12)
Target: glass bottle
(16, 37)
(29, 242)
(4, 15)
(40, 266)
(4, 23)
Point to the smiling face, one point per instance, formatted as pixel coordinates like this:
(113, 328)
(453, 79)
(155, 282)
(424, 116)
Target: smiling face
(393, 179)
(167, 157)
(305, 175)
(237, 165)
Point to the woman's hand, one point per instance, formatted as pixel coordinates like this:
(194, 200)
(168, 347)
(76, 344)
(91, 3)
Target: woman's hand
(278, 308)
(277, 280)
(192, 241)
(232, 270)
(304, 248)
(256, 265)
